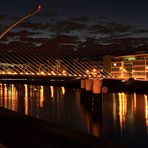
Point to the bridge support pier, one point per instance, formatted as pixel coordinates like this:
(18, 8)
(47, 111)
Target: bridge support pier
(88, 84)
(97, 86)
(83, 83)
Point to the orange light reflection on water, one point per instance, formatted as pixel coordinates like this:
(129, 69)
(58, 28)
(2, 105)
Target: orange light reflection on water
(52, 91)
(26, 99)
(41, 96)
(146, 111)
(122, 110)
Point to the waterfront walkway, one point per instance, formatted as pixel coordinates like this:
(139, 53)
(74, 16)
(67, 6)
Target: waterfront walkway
(21, 131)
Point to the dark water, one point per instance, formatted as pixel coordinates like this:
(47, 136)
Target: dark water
(120, 117)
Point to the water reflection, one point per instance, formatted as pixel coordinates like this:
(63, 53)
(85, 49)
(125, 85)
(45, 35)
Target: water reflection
(91, 113)
(122, 117)
(122, 110)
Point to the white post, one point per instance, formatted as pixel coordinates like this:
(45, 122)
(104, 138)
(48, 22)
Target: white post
(19, 21)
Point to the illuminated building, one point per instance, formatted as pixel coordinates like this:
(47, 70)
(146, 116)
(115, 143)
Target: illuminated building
(130, 66)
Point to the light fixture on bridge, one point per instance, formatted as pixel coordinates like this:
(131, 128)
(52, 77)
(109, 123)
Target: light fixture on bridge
(87, 71)
(52, 72)
(42, 73)
(94, 70)
(64, 72)
(9, 72)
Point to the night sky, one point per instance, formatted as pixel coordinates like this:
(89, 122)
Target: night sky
(89, 27)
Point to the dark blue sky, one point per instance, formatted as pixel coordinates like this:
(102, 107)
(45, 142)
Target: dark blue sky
(98, 23)
(130, 11)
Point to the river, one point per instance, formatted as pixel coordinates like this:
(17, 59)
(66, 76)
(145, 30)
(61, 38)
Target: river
(121, 117)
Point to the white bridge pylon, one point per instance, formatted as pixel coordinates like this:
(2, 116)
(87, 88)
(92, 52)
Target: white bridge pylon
(43, 62)
(19, 21)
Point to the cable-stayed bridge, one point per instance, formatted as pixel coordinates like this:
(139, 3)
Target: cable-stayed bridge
(25, 62)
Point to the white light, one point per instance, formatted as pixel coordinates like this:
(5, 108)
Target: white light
(87, 71)
(94, 70)
(115, 64)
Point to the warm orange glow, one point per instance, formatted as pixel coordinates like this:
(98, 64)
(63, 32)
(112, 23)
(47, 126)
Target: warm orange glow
(5, 96)
(52, 91)
(63, 71)
(14, 98)
(42, 73)
(146, 109)
(134, 103)
(94, 70)
(87, 71)
(26, 99)
(115, 64)
(63, 90)
(41, 96)
(114, 108)
(122, 109)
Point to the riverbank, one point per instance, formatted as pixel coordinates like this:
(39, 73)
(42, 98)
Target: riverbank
(19, 130)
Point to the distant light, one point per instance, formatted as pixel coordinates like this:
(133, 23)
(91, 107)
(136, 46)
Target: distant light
(42, 73)
(39, 8)
(87, 71)
(94, 70)
(63, 71)
(115, 64)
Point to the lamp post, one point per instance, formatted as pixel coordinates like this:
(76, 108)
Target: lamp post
(19, 21)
